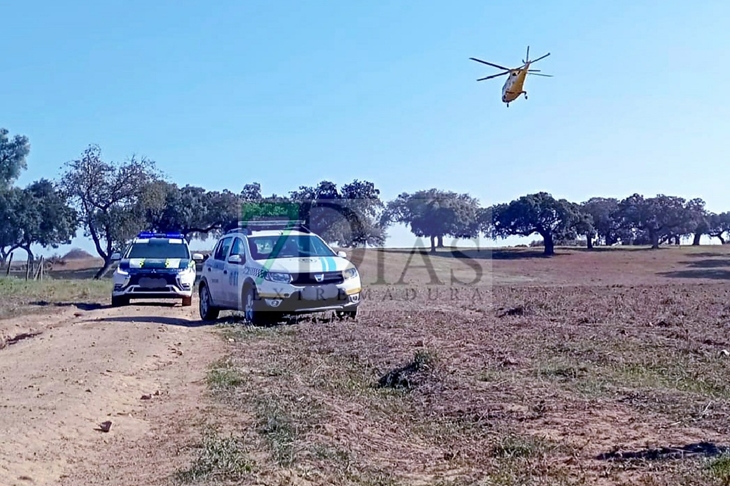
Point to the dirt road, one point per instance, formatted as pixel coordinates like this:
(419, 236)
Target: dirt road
(140, 367)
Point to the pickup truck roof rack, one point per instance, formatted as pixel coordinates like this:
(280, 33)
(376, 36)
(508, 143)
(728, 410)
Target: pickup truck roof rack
(261, 225)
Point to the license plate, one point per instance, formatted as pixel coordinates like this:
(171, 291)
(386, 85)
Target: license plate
(152, 283)
(319, 292)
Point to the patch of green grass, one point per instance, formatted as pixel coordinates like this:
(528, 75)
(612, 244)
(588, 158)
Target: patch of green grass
(223, 376)
(20, 296)
(647, 368)
(720, 469)
(526, 473)
(233, 329)
(219, 458)
(512, 446)
(676, 375)
(278, 428)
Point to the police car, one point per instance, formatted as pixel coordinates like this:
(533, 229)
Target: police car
(155, 266)
(271, 268)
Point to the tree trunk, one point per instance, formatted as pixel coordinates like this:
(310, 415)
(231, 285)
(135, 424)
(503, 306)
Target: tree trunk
(103, 270)
(589, 240)
(433, 244)
(441, 241)
(654, 240)
(677, 240)
(696, 239)
(30, 267)
(548, 243)
(722, 240)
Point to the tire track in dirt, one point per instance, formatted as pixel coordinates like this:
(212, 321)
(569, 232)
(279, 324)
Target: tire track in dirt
(85, 368)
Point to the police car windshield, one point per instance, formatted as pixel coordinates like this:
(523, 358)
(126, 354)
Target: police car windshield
(158, 248)
(293, 246)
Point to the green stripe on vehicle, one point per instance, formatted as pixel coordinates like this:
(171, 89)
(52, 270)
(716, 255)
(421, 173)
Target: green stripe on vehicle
(274, 253)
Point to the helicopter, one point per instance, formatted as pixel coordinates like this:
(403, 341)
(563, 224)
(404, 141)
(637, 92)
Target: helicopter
(513, 87)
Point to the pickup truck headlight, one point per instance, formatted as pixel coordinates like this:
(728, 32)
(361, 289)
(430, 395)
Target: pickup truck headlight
(280, 277)
(350, 273)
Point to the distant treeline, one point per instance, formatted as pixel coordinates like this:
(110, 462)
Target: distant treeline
(112, 202)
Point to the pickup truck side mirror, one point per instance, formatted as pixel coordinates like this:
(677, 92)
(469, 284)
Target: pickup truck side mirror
(197, 257)
(116, 256)
(235, 259)
(342, 254)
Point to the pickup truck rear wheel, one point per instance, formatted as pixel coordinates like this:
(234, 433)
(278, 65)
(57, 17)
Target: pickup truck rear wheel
(347, 314)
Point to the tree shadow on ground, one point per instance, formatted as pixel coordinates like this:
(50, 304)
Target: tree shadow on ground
(233, 319)
(476, 253)
(708, 263)
(168, 321)
(620, 249)
(707, 254)
(85, 306)
(703, 449)
(707, 274)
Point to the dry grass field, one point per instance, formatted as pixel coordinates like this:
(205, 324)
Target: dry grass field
(477, 368)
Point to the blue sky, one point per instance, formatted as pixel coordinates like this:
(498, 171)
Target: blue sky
(290, 93)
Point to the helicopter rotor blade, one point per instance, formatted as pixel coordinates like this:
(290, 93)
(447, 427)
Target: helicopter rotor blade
(544, 75)
(527, 58)
(489, 64)
(543, 57)
(493, 76)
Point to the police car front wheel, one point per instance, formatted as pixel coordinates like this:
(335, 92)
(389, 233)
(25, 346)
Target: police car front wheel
(119, 300)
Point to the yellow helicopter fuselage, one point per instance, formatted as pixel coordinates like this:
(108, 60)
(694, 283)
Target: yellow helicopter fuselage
(514, 86)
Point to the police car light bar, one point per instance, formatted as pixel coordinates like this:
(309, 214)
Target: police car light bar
(149, 234)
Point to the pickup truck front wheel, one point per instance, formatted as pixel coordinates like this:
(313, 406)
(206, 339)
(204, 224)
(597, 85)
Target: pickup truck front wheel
(252, 313)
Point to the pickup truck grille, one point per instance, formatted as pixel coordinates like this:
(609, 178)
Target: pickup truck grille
(309, 278)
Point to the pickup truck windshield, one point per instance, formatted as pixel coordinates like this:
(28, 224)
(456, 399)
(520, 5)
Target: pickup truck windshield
(159, 249)
(293, 246)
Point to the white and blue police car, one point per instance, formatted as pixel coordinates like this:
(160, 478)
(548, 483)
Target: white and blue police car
(155, 266)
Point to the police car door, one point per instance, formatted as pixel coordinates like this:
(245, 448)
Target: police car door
(233, 272)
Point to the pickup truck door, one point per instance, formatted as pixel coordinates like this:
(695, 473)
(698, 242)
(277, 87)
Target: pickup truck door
(214, 273)
(233, 272)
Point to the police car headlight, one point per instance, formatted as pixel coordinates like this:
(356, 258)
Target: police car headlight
(350, 273)
(186, 274)
(121, 277)
(280, 277)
